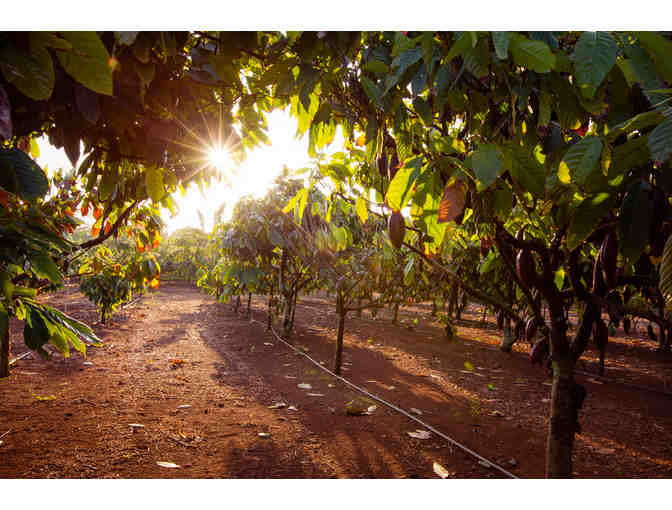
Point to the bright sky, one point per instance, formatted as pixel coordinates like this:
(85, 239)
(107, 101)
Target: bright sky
(253, 177)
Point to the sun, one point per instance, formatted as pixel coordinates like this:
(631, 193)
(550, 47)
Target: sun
(220, 157)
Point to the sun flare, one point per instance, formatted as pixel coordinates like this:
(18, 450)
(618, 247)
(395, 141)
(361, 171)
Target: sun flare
(220, 157)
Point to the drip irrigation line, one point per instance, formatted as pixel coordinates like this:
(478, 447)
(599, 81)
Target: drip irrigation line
(394, 407)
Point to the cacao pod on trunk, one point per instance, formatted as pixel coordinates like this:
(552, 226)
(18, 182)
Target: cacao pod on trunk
(600, 334)
(394, 165)
(396, 229)
(525, 267)
(382, 164)
(608, 256)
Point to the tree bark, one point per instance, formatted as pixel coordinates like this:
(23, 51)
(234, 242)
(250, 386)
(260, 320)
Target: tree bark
(563, 422)
(396, 313)
(341, 311)
(249, 303)
(5, 348)
(269, 321)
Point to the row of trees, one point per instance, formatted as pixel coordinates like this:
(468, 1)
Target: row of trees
(565, 135)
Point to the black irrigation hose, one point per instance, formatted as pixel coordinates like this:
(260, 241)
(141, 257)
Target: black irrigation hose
(392, 406)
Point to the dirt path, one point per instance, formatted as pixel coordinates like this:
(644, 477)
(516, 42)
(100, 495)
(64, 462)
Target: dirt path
(179, 348)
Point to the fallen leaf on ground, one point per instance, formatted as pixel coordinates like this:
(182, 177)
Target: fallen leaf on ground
(136, 425)
(605, 451)
(292, 408)
(419, 434)
(184, 406)
(469, 366)
(268, 343)
(305, 386)
(264, 434)
(315, 394)
(497, 413)
(484, 464)
(169, 465)
(46, 397)
(441, 471)
(416, 411)
(87, 363)
(277, 405)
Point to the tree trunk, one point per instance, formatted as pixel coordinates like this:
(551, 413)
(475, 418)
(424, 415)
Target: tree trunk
(249, 302)
(396, 313)
(237, 305)
(5, 348)
(359, 310)
(296, 296)
(507, 340)
(485, 313)
(341, 311)
(563, 422)
(269, 320)
(434, 309)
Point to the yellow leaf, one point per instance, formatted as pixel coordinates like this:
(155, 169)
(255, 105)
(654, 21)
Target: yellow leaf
(563, 173)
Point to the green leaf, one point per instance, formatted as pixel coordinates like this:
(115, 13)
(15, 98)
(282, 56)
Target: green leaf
(582, 158)
(660, 141)
(534, 55)
(154, 183)
(373, 92)
(423, 109)
(559, 279)
(32, 73)
(35, 331)
(88, 62)
(525, 169)
(595, 55)
(44, 267)
(398, 192)
(487, 164)
(660, 50)
(376, 67)
(465, 41)
(21, 175)
(361, 210)
(586, 217)
(500, 40)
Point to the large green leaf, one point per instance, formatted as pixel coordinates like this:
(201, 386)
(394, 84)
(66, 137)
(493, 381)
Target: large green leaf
(500, 40)
(88, 62)
(154, 183)
(534, 55)
(487, 164)
(401, 186)
(32, 73)
(595, 55)
(44, 267)
(660, 50)
(582, 157)
(372, 91)
(660, 140)
(525, 169)
(586, 217)
(21, 175)
(35, 331)
(464, 41)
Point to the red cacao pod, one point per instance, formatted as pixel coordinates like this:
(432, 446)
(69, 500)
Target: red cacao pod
(525, 267)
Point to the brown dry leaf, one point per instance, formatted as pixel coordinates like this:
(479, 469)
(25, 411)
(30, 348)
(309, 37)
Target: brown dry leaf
(452, 202)
(420, 434)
